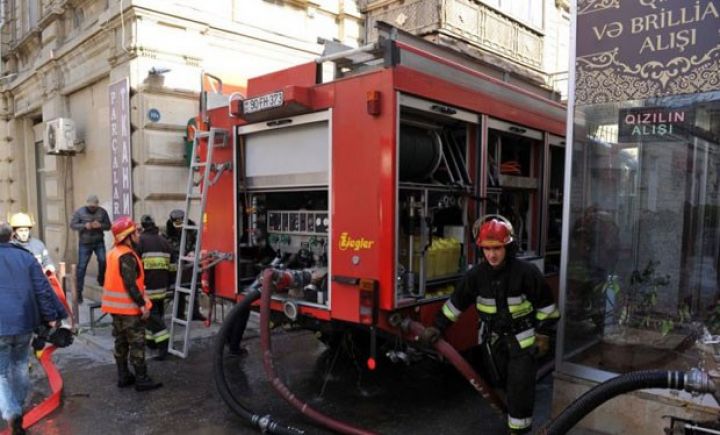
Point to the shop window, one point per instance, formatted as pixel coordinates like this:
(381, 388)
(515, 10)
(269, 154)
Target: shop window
(644, 233)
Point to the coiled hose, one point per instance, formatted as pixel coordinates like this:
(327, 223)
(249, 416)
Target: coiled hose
(235, 323)
(693, 381)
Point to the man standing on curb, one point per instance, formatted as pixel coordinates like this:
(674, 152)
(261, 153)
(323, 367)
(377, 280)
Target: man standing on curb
(90, 221)
(26, 300)
(124, 298)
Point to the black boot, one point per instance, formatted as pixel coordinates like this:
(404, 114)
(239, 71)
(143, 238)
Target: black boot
(162, 351)
(143, 381)
(16, 426)
(125, 378)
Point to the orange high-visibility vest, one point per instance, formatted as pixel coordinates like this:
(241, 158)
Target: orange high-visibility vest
(115, 298)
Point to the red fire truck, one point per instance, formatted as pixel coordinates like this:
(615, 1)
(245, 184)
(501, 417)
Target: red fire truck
(356, 180)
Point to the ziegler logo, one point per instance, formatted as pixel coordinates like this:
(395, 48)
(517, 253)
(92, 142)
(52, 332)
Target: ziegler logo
(347, 242)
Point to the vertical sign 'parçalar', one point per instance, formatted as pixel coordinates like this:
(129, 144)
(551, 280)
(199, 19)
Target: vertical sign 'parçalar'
(120, 151)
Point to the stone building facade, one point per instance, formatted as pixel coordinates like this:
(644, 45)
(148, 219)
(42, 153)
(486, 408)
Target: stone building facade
(521, 41)
(60, 56)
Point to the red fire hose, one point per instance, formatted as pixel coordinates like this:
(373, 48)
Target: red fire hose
(275, 381)
(449, 352)
(50, 403)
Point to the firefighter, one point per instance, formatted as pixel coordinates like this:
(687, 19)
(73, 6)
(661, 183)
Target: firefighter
(21, 224)
(173, 233)
(124, 298)
(512, 298)
(155, 253)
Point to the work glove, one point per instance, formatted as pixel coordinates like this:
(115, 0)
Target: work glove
(430, 335)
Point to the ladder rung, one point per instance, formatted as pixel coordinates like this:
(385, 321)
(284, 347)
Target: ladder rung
(194, 196)
(176, 352)
(180, 321)
(191, 227)
(198, 165)
(188, 258)
(183, 290)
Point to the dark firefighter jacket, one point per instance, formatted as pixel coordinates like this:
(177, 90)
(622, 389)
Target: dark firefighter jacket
(155, 253)
(174, 236)
(511, 300)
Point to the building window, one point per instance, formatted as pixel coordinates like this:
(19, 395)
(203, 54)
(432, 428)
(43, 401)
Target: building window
(527, 11)
(33, 11)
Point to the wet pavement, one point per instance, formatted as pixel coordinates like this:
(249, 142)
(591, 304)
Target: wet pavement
(427, 397)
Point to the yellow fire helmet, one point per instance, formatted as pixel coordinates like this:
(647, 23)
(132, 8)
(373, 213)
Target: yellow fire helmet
(21, 220)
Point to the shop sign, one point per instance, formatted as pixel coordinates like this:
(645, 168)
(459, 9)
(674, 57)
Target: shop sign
(638, 49)
(653, 124)
(120, 150)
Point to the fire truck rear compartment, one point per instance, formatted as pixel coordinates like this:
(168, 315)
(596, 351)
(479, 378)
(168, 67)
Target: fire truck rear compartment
(433, 185)
(283, 202)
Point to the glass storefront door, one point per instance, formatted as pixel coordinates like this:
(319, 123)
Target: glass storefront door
(643, 260)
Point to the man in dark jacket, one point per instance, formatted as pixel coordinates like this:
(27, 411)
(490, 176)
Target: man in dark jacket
(155, 253)
(26, 300)
(512, 299)
(90, 221)
(173, 233)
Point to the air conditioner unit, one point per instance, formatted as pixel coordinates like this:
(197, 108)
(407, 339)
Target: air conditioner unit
(60, 137)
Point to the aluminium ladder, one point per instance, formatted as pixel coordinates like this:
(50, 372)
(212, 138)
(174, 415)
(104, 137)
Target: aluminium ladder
(216, 137)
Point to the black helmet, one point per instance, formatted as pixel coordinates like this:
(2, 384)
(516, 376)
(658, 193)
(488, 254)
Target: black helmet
(177, 215)
(147, 221)
(176, 218)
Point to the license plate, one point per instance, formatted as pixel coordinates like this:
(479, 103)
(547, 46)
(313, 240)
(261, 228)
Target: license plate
(265, 102)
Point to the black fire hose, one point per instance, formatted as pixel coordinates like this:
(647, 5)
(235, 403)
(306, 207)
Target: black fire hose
(692, 381)
(235, 323)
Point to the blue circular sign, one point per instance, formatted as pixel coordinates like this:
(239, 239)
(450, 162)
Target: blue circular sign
(153, 115)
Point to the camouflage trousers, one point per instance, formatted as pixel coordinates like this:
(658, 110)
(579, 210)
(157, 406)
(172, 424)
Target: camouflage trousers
(129, 333)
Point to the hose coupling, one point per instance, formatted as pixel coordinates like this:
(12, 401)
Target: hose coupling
(395, 320)
(698, 381)
(262, 422)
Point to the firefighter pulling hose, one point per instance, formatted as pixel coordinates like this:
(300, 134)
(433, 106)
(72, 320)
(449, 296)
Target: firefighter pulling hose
(512, 299)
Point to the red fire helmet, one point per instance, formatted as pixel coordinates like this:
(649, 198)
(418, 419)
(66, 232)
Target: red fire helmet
(494, 233)
(122, 227)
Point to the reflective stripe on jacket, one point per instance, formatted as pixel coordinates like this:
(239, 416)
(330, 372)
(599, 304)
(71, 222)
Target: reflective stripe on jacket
(549, 312)
(115, 298)
(156, 260)
(157, 337)
(510, 299)
(157, 294)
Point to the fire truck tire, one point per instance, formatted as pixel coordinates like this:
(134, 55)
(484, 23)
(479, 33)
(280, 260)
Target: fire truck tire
(263, 422)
